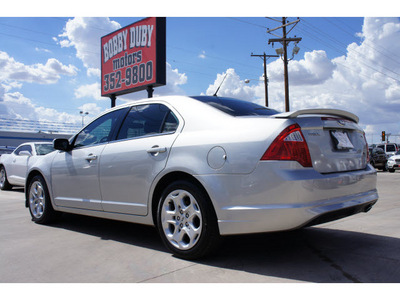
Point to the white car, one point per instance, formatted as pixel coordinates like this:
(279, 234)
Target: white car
(389, 148)
(13, 166)
(201, 167)
(393, 162)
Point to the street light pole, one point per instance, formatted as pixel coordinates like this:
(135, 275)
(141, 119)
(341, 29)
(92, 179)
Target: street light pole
(83, 115)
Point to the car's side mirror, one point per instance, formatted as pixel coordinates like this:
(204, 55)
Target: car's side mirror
(25, 153)
(62, 144)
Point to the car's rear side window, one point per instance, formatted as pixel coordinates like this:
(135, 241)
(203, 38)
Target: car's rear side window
(143, 120)
(236, 107)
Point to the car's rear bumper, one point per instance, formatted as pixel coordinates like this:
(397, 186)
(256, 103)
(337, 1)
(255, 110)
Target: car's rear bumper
(282, 196)
(393, 165)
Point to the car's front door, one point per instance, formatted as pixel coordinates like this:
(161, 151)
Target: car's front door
(131, 162)
(75, 181)
(19, 165)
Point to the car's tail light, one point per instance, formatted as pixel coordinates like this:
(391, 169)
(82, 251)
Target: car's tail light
(366, 145)
(289, 145)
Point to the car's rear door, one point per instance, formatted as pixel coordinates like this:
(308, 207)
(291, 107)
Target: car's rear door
(129, 164)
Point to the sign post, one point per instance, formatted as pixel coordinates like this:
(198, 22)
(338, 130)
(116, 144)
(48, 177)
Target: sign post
(133, 58)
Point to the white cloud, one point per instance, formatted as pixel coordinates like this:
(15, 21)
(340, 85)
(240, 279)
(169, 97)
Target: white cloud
(89, 91)
(9, 85)
(202, 54)
(174, 77)
(95, 72)
(92, 108)
(42, 50)
(233, 86)
(84, 34)
(365, 81)
(16, 106)
(315, 68)
(50, 73)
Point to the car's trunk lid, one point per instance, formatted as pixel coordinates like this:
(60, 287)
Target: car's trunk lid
(335, 141)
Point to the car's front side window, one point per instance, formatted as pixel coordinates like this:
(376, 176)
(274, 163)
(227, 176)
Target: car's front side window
(23, 148)
(99, 131)
(146, 120)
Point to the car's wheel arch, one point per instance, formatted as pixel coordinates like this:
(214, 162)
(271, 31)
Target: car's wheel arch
(166, 180)
(2, 165)
(6, 184)
(30, 176)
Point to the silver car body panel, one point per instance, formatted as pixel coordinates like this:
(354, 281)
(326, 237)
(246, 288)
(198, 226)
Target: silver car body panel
(17, 165)
(281, 196)
(331, 112)
(223, 153)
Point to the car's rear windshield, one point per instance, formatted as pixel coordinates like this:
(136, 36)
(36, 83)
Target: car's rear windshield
(236, 107)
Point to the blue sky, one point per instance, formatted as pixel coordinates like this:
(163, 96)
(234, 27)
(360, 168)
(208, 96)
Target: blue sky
(49, 66)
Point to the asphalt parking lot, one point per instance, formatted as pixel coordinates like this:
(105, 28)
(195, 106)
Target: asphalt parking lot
(78, 249)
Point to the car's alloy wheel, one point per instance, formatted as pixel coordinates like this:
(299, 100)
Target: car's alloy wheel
(40, 207)
(181, 219)
(37, 199)
(4, 184)
(186, 221)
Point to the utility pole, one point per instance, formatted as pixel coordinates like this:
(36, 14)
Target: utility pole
(264, 56)
(284, 40)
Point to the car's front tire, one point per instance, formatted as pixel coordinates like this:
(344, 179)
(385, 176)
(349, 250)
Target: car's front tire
(186, 221)
(4, 184)
(39, 202)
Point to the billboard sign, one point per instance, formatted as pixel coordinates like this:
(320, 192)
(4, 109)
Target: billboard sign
(133, 58)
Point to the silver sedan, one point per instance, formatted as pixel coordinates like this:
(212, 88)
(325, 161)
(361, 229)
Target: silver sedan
(199, 168)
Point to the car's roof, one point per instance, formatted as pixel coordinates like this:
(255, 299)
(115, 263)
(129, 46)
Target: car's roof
(194, 104)
(35, 143)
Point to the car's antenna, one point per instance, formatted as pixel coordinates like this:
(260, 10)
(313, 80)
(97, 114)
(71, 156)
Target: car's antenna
(215, 94)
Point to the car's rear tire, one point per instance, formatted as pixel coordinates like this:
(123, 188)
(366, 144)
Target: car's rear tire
(391, 170)
(186, 221)
(4, 184)
(39, 202)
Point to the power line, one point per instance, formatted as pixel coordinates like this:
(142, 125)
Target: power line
(247, 22)
(344, 53)
(352, 50)
(33, 40)
(367, 44)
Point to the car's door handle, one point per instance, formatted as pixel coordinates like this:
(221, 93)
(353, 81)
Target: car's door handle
(91, 157)
(157, 149)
